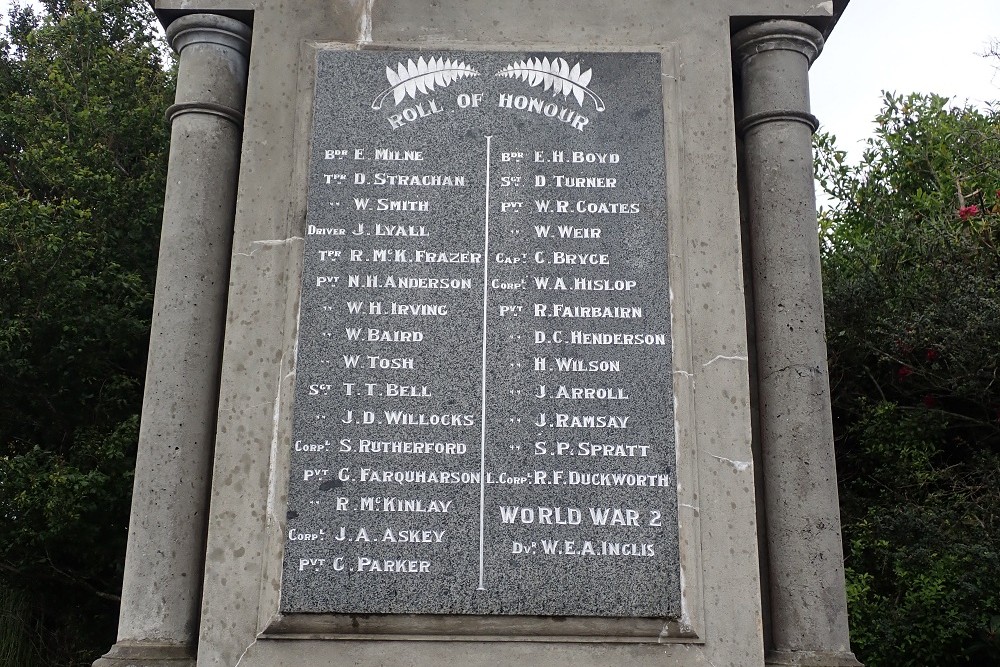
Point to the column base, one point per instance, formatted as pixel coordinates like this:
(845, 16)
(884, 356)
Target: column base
(148, 654)
(812, 659)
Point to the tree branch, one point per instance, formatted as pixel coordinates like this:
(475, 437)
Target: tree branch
(83, 583)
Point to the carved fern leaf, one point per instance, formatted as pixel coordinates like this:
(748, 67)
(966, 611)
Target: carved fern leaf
(421, 76)
(555, 75)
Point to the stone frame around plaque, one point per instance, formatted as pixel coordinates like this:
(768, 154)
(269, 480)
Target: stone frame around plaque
(689, 627)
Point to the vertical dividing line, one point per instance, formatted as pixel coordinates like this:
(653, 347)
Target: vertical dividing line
(482, 416)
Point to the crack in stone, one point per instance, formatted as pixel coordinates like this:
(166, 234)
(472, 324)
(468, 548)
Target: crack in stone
(738, 466)
(721, 357)
(365, 23)
(245, 651)
(269, 243)
(803, 370)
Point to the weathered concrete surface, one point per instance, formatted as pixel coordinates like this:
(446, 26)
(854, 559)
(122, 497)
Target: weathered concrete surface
(808, 605)
(718, 525)
(161, 594)
(722, 605)
(477, 654)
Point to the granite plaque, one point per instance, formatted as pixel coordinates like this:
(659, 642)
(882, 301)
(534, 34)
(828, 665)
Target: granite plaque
(483, 415)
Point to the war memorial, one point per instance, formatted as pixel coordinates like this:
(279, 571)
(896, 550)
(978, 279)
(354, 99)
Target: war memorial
(488, 334)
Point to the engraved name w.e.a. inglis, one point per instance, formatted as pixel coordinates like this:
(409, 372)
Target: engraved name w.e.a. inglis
(483, 397)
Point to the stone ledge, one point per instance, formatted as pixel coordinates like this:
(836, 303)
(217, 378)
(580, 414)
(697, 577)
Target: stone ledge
(811, 659)
(147, 654)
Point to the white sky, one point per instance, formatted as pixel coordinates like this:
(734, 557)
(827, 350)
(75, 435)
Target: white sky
(903, 46)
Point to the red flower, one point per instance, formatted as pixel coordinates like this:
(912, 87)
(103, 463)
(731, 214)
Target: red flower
(932, 354)
(967, 212)
(930, 401)
(904, 372)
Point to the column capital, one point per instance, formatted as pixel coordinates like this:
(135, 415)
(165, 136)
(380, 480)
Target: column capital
(212, 49)
(209, 29)
(778, 35)
(773, 59)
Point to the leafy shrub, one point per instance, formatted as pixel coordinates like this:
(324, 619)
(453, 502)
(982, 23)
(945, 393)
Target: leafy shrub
(912, 289)
(83, 146)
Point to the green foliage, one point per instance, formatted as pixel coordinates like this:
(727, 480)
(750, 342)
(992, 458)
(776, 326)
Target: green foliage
(912, 278)
(923, 546)
(82, 162)
(17, 630)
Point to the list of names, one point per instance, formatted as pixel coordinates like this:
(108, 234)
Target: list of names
(483, 413)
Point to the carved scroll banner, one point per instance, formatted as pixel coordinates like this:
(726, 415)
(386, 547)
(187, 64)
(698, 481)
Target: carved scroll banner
(483, 415)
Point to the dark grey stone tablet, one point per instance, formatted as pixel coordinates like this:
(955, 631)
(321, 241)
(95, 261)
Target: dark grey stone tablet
(484, 410)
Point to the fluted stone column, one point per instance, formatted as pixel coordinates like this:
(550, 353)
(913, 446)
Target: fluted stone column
(161, 594)
(808, 621)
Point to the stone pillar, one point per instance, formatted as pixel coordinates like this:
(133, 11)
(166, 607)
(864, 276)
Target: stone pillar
(161, 593)
(808, 602)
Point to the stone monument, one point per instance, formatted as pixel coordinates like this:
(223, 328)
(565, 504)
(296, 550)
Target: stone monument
(488, 333)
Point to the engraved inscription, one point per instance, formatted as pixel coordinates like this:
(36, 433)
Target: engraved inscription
(483, 419)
